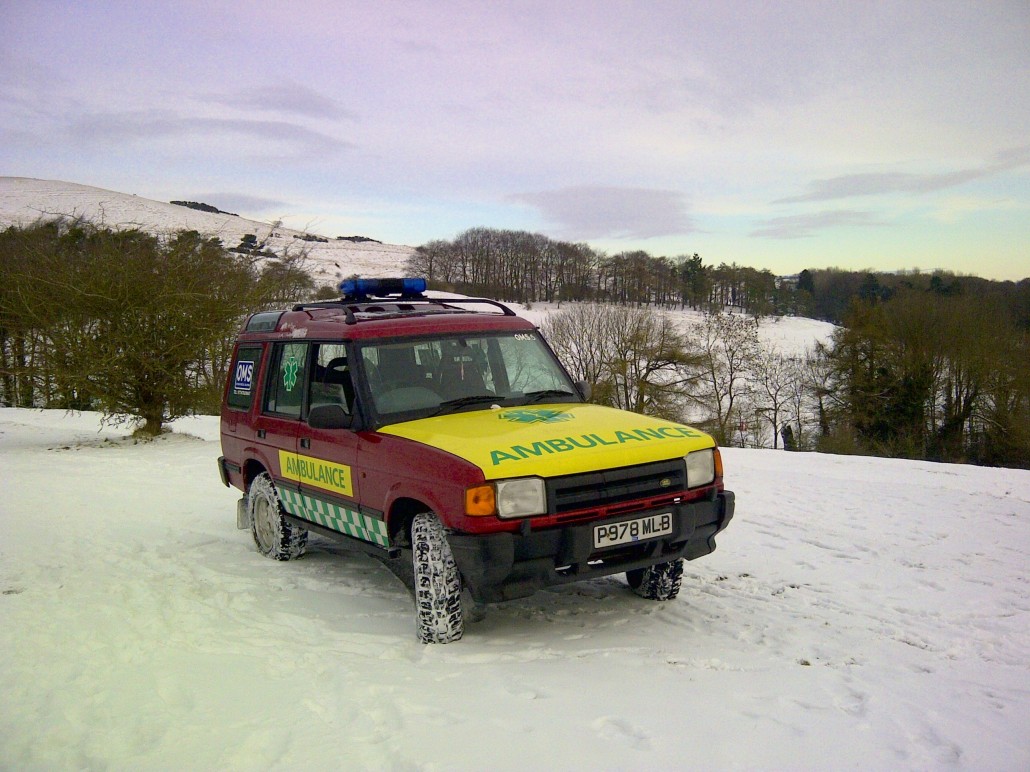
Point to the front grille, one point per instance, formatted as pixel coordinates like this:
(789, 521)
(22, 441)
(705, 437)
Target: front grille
(612, 486)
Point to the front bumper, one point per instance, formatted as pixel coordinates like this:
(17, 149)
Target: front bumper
(503, 566)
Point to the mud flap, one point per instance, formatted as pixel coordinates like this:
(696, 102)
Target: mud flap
(243, 521)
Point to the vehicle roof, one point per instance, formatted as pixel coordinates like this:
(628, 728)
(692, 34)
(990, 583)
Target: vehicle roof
(354, 321)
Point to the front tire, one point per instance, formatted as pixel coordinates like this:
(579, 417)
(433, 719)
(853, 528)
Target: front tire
(658, 582)
(439, 617)
(274, 536)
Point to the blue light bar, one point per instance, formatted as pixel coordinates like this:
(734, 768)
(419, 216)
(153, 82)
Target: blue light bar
(355, 289)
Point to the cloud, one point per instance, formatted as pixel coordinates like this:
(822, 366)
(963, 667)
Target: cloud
(153, 124)
(594, 212)
(289, 98)
(804, 225)
(851, 185)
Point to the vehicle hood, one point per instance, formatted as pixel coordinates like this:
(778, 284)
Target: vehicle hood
(552, 440)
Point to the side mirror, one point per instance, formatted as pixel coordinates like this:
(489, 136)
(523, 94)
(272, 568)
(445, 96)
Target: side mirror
(584, 390)
(329, 417)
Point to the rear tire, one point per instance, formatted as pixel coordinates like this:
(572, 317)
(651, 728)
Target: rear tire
(439, 617)
(658, 582)
(274, 536)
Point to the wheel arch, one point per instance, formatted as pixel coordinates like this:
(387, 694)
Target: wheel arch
(251, 469)
(402, 513)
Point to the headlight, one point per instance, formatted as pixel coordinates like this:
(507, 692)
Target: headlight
(700, 467)
(521, 498)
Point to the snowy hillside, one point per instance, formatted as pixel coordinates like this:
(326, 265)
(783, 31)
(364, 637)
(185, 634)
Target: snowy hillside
(24, 200)
(787, 335)
(859, 613)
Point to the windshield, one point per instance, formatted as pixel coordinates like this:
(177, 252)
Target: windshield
(433, 376)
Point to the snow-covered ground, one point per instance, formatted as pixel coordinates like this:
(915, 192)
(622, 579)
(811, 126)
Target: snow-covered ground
(25, 200)
(859, 614)
(790, 336)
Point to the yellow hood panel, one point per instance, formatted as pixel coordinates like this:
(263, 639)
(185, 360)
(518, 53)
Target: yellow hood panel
(552, 440)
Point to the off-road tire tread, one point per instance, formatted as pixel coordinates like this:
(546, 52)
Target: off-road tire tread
(659, 582)
(439, 615)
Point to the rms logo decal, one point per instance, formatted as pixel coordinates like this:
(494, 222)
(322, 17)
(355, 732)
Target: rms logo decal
(243, 378)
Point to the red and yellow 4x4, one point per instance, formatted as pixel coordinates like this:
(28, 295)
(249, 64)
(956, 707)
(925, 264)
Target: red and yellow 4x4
(448, 434)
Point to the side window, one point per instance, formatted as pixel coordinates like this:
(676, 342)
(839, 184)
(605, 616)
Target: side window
(331, 380)
(244, 371)
(285, 392)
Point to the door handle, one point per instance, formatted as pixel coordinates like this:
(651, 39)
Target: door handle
(261, 434)
(305, 442)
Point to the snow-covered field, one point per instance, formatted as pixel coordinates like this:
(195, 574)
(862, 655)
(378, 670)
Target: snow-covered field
(789, 336)
(859, 614)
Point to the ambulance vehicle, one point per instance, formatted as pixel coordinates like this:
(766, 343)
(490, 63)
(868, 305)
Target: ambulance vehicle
(447, 435)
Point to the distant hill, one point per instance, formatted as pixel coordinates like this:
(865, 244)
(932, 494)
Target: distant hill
(24, 200)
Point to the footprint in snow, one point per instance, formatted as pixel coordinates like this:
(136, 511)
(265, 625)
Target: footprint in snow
(620, 730)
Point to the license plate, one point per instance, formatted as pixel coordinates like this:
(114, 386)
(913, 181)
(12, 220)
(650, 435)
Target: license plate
(628, 531)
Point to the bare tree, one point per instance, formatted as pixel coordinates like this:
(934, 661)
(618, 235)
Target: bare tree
(818, 379)
(775, 377)
(799, 401)
(728, 348)
(634, 358)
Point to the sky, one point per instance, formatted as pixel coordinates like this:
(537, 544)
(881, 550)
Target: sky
(778, 135)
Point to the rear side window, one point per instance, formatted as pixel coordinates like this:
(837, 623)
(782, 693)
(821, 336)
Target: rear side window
(331, 377)
(244, 377)
(285, 392)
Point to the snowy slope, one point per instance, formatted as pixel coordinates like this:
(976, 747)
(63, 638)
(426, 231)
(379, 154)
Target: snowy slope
(791, 336)
(24, 200)
(859, 614)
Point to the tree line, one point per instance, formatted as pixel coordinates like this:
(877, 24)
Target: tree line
(126, 322)
(924, 366)
(528, 267)
(830, 293)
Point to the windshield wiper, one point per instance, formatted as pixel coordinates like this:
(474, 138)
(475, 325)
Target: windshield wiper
(537, 396)
(475, 399)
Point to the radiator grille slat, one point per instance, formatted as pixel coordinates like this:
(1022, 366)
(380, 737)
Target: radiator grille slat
(612, 486)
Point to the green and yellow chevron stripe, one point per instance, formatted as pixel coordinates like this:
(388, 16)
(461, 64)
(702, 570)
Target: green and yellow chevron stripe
(339, 518)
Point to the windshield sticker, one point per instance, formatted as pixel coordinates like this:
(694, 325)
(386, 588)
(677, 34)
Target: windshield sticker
(243, 377)
(586, 441)
(533, 415)
(290, 367)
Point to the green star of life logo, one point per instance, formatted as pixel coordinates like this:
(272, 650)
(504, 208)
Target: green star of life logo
(532, 415)
(290, 367)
